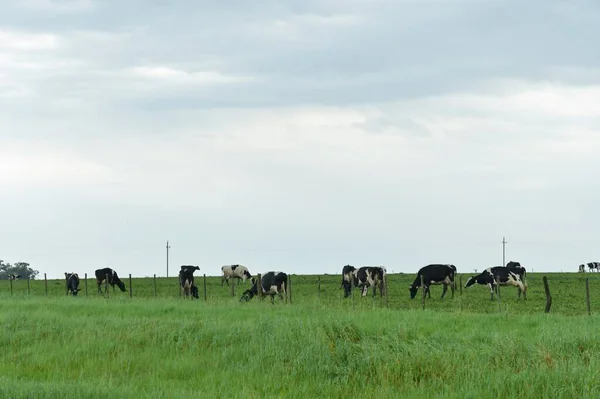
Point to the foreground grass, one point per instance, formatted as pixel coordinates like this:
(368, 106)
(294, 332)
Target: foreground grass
(167, 348)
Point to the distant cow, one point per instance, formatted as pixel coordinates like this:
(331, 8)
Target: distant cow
(582, 268)
(186, 281)
(434, 274)
(347, 279)
(370, 276)
(234, 271)
(511, 274)
(271, 283)
(14, 277)
(113, 279)
(72, 283)
(591, 266)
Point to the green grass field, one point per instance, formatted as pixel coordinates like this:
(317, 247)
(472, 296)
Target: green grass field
(321, 345)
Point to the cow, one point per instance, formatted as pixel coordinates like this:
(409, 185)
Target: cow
(370, 276)
(512, 274)
(593, 265)
(113, 278)
(14, 277)
(72, 283)
(347, 279)
(234, 271)
(271, 283)
(186, 281)
(582, 268)
(433, 274)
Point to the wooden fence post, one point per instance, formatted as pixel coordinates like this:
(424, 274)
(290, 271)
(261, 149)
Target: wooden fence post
(11, 288)
(204, 278)
(46, 283)
(587, 295)
(318, 286)
(460, 284)
(548, 296)
(423, 292)
(290, 287)
(259, 286)
(385, 290)
(28, 289)
(106, 286)
(86, 291)
(130, 287)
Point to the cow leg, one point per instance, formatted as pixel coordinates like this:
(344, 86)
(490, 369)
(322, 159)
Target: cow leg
(374, 291)
(491, 287)
(444, 290)
(363, 290)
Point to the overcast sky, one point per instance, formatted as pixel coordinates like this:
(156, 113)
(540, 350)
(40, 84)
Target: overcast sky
(299, 135)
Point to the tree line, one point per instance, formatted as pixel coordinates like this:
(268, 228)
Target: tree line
(22, 269)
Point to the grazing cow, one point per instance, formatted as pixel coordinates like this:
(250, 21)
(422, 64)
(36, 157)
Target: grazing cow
(434, 274)
(369, 276)
(347, 279)
(113, 279)
(234, 271)
(594, 265)
(14, 277)
(582, 268)
(72, 283)
(511, 274)
(271, 283)
(186, 281)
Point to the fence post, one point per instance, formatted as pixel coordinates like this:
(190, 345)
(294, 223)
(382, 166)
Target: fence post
(587, 295)
(106, 286)
(28, 289)
(46, 283)
(259, 286)
(290, 287)
(155, 285)
(130, 287)
(460, 284)
(423, 292)
(385, 289)
(204, 278)
(11, 289)
(318, 286)
(548, 296)
(86, 291)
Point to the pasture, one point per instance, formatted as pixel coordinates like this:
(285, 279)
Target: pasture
(319, 346)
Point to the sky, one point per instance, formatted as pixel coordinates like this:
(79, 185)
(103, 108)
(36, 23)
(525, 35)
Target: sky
(299, 135)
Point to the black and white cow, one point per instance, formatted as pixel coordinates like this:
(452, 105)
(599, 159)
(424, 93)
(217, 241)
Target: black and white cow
(593, 265)
(234, 271)
(14, 277)
(72, 283)
(582, 268)
(347, 279)
(370, 276)
(271, 283)
(113, 278)
(186, 281)
(434, 274)
(512, 274)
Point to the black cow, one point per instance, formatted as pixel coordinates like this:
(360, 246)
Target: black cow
(271, 283)
(434, 274)
(186, 281)
(113, 278)
(512, 274)
(347, 279)
(72, 283)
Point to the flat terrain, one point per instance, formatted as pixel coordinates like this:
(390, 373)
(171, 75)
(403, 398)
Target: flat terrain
(321, 345)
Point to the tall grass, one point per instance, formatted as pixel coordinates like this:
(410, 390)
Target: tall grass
(59, 347)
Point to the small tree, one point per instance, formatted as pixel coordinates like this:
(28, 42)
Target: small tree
(22, 269)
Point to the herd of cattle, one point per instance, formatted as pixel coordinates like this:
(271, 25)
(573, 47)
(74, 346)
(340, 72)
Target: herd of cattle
(275, 283)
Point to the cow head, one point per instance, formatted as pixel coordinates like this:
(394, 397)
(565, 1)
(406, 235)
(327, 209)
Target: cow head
(413, 291)
(249, 293)
(472, 280)
(195, 291)
(121, 285)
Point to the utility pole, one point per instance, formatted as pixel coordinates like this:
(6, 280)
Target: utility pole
(168, 258)
(504, 251)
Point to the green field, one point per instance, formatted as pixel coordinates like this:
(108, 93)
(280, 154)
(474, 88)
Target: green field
(321, 345)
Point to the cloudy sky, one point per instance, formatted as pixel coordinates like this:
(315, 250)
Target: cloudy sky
(299, 135)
